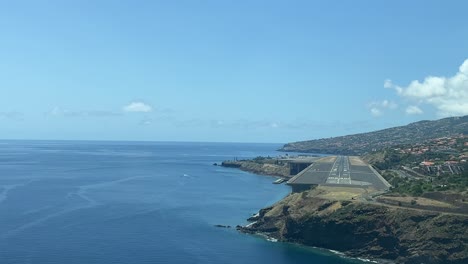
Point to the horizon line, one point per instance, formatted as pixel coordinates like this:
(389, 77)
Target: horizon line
(140, 141)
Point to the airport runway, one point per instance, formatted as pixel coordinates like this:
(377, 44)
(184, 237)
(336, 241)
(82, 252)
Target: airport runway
(340, 171)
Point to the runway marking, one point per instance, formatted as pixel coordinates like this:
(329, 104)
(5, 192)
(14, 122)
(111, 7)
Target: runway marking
(340, 172)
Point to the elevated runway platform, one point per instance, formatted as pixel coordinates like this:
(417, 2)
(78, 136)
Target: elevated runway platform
(339, 170)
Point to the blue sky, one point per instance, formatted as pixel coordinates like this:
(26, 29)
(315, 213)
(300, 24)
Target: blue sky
(236, 71)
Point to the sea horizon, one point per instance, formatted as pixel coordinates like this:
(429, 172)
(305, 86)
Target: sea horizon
(146, 141)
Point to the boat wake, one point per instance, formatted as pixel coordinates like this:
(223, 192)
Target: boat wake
(9, 188)
(82, 193)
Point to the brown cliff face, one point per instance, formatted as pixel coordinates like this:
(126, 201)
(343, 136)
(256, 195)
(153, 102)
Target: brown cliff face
(263, 168)
(367, 230)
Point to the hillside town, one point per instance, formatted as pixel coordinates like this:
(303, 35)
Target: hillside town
(438, 164)
(439, 156)
(410, 135)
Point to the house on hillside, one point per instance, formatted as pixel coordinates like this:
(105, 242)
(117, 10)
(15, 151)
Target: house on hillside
(427, 163)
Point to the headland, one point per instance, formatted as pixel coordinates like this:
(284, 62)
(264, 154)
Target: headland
(343, 203)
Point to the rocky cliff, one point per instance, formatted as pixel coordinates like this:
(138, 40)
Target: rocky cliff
(266, 167)
(366, 230)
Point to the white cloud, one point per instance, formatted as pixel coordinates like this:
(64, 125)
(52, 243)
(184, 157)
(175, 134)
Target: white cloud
(137, 107)
(377, 107)
(448, 95)
(413, 110)
(384, 104)
(375, 111)
(60, 112)
(389, 104)
(388, 84)
(432, 86)
(11, 115)
(56, 111)
(146, 122)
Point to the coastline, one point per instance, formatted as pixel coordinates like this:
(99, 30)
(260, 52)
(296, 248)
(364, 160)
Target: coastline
(267, 167)
(307, 219)
(321, 250)
(364, 231)
(265, 236)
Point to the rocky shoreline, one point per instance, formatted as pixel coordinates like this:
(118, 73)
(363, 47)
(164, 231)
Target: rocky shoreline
(365, 230)
(263, 167)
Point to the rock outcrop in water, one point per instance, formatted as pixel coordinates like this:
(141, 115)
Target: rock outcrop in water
(366, 230)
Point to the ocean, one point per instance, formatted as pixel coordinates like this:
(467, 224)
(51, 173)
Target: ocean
(136, 202)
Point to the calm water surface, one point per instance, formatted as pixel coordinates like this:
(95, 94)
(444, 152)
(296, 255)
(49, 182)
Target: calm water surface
(127, 202)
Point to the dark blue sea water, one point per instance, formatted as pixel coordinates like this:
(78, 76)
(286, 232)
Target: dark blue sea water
(126, 202)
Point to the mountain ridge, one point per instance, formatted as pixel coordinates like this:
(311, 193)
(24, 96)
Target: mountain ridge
(362, 143)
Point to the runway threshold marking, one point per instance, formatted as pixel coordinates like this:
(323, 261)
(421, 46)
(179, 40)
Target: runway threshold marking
(340, 172)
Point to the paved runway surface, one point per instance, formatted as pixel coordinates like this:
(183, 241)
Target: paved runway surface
(340, 171)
